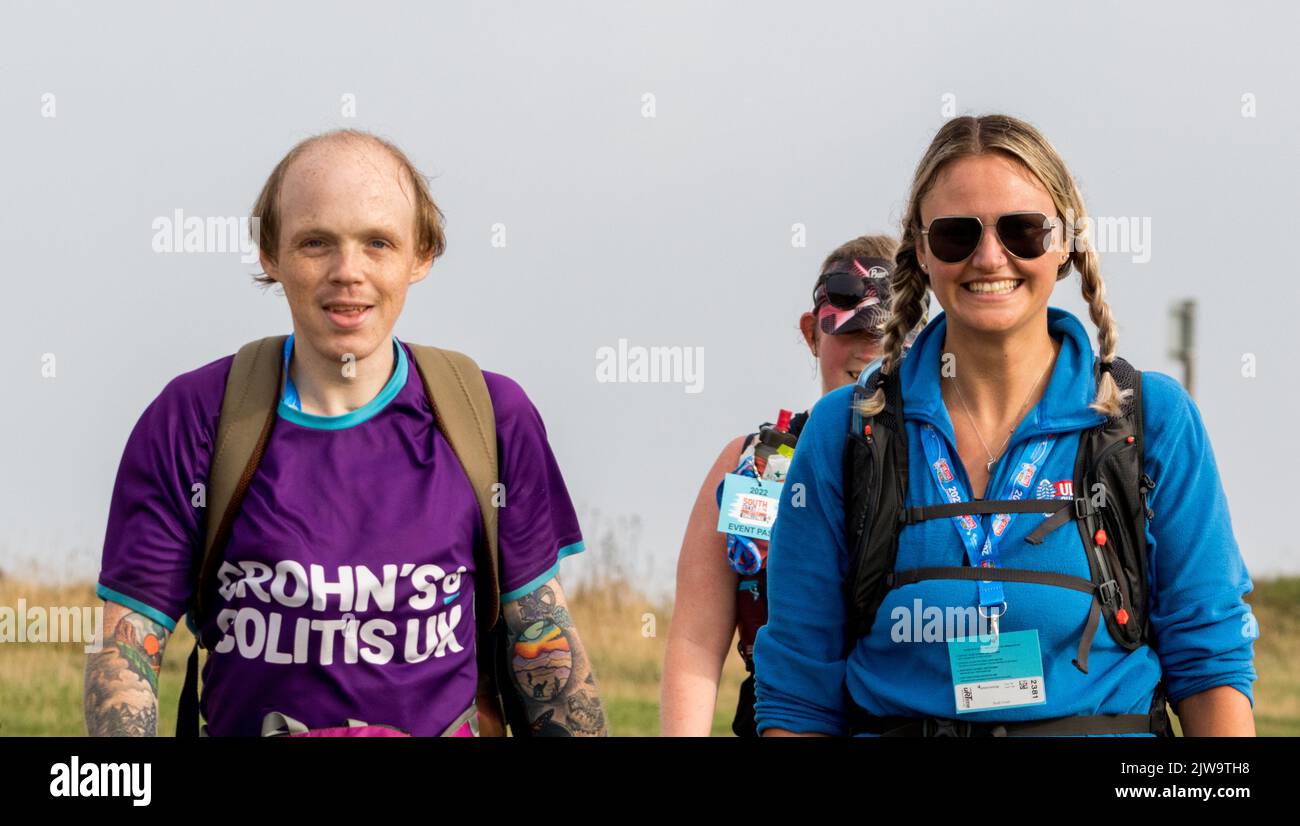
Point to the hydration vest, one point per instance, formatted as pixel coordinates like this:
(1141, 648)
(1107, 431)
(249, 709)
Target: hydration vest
(751, 598)
(1109, 509)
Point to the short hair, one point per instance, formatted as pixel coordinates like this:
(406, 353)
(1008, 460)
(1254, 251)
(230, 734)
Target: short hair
(430, 239)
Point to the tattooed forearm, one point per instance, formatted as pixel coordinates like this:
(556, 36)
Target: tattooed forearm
(121, 690)
(550, 666)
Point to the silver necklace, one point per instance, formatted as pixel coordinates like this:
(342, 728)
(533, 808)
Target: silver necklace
(993, 459)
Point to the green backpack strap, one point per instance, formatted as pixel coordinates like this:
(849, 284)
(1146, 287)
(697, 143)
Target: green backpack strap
(462, 409)
(247, 416)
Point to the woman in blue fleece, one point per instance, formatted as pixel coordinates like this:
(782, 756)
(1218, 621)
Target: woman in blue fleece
(998, 381)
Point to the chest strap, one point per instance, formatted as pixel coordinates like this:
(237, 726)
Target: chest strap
(1059, 512)
(1155, 721)
(1100, 593)
(924, 513)
(1052, 727)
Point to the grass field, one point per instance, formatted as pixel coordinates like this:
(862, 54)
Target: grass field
(625, 633)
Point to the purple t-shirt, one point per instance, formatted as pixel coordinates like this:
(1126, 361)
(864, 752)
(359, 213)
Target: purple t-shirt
(347, 587)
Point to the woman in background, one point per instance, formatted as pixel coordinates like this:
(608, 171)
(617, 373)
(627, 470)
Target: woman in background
(722, 578)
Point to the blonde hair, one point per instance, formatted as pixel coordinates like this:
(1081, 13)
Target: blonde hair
(864, 246)
(963, 137)
(430, 239)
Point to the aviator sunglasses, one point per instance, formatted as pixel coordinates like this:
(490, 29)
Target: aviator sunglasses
(1025, 235)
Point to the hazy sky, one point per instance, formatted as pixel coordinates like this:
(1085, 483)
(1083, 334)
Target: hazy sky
(671, 230)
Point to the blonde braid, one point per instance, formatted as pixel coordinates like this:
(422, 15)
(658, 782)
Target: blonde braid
(910, 298)
(968, 136)
(1108, 400)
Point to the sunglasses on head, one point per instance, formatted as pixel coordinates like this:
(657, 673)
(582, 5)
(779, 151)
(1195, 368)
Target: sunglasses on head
(1025, 235)
(846, 289)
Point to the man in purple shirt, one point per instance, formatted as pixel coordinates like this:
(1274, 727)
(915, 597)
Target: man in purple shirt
(346, 588)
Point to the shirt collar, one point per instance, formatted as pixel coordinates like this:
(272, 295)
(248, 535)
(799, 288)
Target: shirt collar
(1064, 406)
(290, 406)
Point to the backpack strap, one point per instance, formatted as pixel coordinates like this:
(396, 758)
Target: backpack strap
(247, 417)
(462, 409)
(1109, 474)
(1113, 530)
(1110, 509)
(875, 486)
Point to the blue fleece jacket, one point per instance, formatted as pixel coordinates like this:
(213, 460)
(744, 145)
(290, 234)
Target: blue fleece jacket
(807, 672)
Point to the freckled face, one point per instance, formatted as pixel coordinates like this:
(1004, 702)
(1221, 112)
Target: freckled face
(347, 251)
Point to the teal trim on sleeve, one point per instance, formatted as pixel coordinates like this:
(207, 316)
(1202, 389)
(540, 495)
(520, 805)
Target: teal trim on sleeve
(136, 605)
(541, 579)
(369, 410)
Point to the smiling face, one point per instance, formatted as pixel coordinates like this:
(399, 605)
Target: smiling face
(840, 359)
(347, 246)
(991, 291)
(843, 357)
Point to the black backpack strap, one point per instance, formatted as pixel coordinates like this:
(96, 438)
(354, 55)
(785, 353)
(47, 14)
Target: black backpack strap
(187, 710)
(1109, 473)
(1074, 726)
(907, 576)
(1155, 721)
(797, 422)
(1078, 508)
(875, 487)
(924, 513)
(1112, 524)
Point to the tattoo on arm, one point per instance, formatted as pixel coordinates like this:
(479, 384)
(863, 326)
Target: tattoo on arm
(121, 690)
(550, 666)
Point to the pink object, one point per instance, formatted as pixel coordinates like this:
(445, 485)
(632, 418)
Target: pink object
(355, 731)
